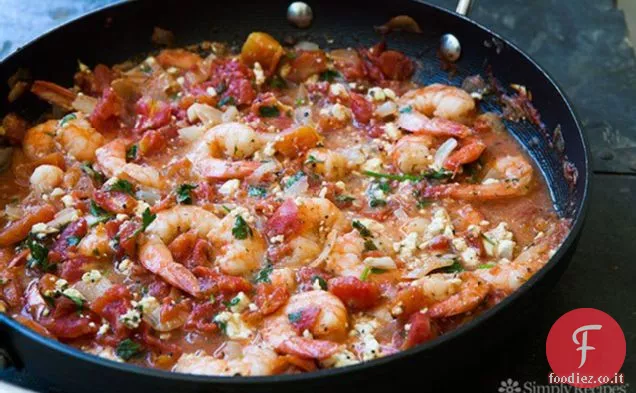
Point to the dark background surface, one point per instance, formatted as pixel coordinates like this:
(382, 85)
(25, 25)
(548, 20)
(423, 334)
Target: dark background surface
(584, 45)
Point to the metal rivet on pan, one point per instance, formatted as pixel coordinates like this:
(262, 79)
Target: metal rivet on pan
(450, 47)
(300, 14)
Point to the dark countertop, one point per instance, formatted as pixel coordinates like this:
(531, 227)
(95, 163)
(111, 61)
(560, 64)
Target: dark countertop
(583, 44)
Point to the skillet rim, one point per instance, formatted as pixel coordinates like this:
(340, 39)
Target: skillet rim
(578, 221)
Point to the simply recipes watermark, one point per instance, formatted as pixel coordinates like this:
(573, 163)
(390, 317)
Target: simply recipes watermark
(512, 386)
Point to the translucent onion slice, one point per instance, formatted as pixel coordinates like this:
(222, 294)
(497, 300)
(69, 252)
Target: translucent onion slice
(443, 152)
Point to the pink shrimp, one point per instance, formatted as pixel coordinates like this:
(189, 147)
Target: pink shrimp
(470, 151)
(437, 126)
(471, 295)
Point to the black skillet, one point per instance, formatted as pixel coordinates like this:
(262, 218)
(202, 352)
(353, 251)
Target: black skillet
(122, 31)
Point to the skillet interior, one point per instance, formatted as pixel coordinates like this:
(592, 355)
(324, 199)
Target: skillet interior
(121, 32)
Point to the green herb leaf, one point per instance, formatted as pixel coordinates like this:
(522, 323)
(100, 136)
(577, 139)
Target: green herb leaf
(221, 324)
(374, 202)
(127, 349)
(269, 111)
(345, 198)
(312, 160)
(390, 176)
(369, 245)
(122, 185)
(423, 202)
(227, 100)
(241, 230)
(377, 270)
(456, 267)
(257, 192)
(92, 173)
(295, 316)
(263, 275)
(485, 266)
(131, 152)
(183, 192)
(438, 175)
(100, 214)
(67, 118)
(365, 273)
(147, 217)
(39, 255)
(233, 302)
(79, 302)
(293, 179)
(321, 282)
(73, 240)
(329, 75)
(277, 82)
(145, 68)
(406, 109)
(364, 231)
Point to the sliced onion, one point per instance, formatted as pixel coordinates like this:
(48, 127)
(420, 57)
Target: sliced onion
(307, 45)
(93, 290)
(412, 121)
(428, 264)
(84, 103)
(401, 215)
(302, 115)
(148, 196)
(326, 250)
(380, 262)
(35, 303)
(443, 152)
(207, 114)
(386, 109)
(191, 133)
(63, 217)
(299, 187)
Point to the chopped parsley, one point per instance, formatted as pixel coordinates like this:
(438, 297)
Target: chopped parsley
(131, 152)
(241, 230)
(257, 192)
(485, 266)
(370, 270)
(39, 255)
(269, 111)
(220, 323)
(345, 198)
(277, 82)
(369, 245)
(67, 118)
(321, 282)
(376, 192)
(184, 196)
(92, 173)
(406, 109)
(145, 68)
(328, 75)
(295, 316)
(364, 231)
(263, 275)
(422, 203)
(293, 179)
(227, 100)
(312, 160)
(127, 349)
(122, 185)
(78, 301)
(233, 302)
(147, 217)
(73, 240)
(431, 174)
(100, 214)
(456, 267)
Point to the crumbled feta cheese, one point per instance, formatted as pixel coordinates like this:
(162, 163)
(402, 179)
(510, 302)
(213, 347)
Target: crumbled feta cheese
(103, 329)
(131, 319)
(470, 257)
(340, 112)
(498, 242)
(316, 285)
(340, 185)
(181, 80)
(338, 90)
(372, 165)
(440, 224)
(211, 91)
(340, 359)
(390, 94)
(407, 246)
(252, 307)
(43, 229)
(73, 293)
(277, 239)
(230, 187)
(259, 75)
(124, 266)
(386, 263)
(233, 325)
(269, 150)
(148, 304)
(68, 201)
(121, 217)
(392, 131)
(239, 302)
(57, 192)
(376, 94)
(370, 346)
(91, 276)
(60, 285)
(141, 208)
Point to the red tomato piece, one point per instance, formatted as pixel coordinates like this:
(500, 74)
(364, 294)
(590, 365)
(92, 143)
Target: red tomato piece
(269, 298)
(285, 220)
(420, 330)
(355, 293)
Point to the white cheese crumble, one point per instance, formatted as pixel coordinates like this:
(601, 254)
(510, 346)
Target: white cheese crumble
(498, 242)
(338, 90)
(43, 229)
(233, 325)
(230, 187)
(131, 319)
(376, 94)
(259, 75)
(392, 131)
(211, 91)
(92, 276)
(148, 304)
(341, 359)
(407, 246)
(239, 302)
(386, 263)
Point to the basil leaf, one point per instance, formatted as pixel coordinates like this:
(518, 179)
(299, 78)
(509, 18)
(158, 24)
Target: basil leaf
(329, 75)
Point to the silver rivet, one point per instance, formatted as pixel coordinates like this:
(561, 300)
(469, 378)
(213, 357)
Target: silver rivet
(300, 14)
(450, 47)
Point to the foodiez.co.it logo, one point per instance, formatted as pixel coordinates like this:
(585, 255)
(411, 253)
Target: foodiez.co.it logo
(585, 348)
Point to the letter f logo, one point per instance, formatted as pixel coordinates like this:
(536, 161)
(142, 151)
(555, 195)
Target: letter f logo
(584, 347)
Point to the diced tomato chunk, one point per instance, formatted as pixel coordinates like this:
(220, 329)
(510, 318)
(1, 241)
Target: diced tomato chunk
(306, 64)
(304, 319)
(307, 348)
(107, 112)
(395, 65)
(285, 220)
(73, 269)
(127, 233)
(200, 318)
(269, 298)
(420, 330)
(69, 326)
(410, 300)
(153, 114)
(213, 282)
(355, 293)
(69, 237)
(152, 142)
(306, 276)
(111, 305)
(361, 108)
(115, 201)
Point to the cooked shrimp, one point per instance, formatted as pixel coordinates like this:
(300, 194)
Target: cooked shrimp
(411, 153)
(448, 102)
(470, 150)
(182, 218)
(79, 139)
(96, 243)
(472, 293)
(419, 124)
(515, 176)
(253, 361)
(46, 177)
(318, 216)
(331, 323)
(212, 156)
(241, 246)
(329, 163)
(39, 141)
(111, 158)
(155, 256)
(346, 255)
